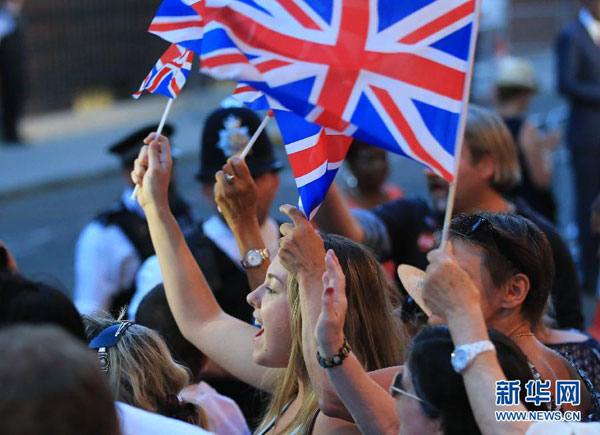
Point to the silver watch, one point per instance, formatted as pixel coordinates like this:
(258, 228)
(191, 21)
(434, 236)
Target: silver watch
(463, 355)
(255, 257)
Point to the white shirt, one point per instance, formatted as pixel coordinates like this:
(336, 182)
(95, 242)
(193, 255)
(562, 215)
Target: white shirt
(224, 415)
(135, 421)
(105, 262)
(149, 274)
(591, 24)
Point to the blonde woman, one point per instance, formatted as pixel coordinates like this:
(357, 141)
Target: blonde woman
(272, 357)
(140, 368)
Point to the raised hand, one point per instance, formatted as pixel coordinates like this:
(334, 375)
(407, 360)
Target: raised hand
(329, 330)
(301, 249)
(448, 290)
(235, 192)
(152, 172)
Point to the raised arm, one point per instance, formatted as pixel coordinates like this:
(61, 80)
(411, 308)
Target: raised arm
(235, 193)
(450, 293)
(224, 339)
(302, 253)
(335, 217)
(370, 405)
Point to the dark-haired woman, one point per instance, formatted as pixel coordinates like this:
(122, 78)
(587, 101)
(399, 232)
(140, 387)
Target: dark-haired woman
(430, 394)
(510, 260)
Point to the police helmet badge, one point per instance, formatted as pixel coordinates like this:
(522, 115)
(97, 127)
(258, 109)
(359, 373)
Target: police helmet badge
(234, 137)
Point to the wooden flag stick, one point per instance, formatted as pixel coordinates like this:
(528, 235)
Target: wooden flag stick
(161, 125)
(461, 130)
(255, 136)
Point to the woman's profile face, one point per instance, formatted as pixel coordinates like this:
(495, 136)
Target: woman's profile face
(273, 340)
(413, 420)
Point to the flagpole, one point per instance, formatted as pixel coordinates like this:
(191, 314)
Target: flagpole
(461, 131)
(161, 125)
(255, 136)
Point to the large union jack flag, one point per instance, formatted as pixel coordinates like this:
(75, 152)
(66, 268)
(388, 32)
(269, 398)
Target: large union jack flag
(169, 74)
(391, 73)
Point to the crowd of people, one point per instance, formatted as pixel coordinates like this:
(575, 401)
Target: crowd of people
(357, 322)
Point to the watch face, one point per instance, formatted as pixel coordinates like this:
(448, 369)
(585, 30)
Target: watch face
(253, 258)
(459, 359)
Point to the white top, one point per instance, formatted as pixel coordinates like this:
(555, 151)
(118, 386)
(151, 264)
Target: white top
(135, 421)
(224, 415)
(149, 274)
(105, 262)
(591, 24)
(563, 428)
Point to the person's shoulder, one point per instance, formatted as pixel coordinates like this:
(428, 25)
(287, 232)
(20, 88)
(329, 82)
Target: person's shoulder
(106, 216)
(98, 232)
(412, 203)
(136, 421)
(525, 210)
(571, 30)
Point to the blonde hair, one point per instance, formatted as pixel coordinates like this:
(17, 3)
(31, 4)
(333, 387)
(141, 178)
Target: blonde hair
(142, 372)
(377, 337)
(487, 134)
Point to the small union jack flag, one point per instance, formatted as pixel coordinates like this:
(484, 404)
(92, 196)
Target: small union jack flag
(169, 74)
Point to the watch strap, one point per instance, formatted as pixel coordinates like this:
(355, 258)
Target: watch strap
(264, 254)
(468, 352)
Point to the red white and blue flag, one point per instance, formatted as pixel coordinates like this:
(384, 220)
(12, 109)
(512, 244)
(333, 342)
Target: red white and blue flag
(315, 153)
(180, 22)
(169, 74)
(391, 73)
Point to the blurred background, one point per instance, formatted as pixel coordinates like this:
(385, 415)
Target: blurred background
(84, 58)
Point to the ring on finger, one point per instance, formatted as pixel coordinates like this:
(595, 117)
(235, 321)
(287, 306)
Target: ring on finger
(229, 177)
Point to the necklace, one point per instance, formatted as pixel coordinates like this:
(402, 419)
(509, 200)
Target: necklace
(523, 334)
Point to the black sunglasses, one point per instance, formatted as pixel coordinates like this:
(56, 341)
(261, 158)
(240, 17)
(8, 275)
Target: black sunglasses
(478, 227)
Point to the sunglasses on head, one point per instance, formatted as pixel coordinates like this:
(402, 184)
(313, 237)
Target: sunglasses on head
(478, 227)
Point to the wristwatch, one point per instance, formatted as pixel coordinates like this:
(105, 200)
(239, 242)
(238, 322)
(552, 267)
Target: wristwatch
(463, 355)
(255, 257)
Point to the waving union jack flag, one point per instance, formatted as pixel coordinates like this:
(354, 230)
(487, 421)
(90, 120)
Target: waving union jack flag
(180, 22)
(315, 153)
(391, 73)
(169, 74)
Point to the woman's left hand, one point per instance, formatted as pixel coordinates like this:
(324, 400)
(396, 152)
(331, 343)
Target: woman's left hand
(301, 249)
(329, 330)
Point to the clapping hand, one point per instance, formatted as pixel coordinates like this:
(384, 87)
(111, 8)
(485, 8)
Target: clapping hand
(329, 330)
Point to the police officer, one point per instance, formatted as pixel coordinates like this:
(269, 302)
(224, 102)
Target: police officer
(111, 248)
